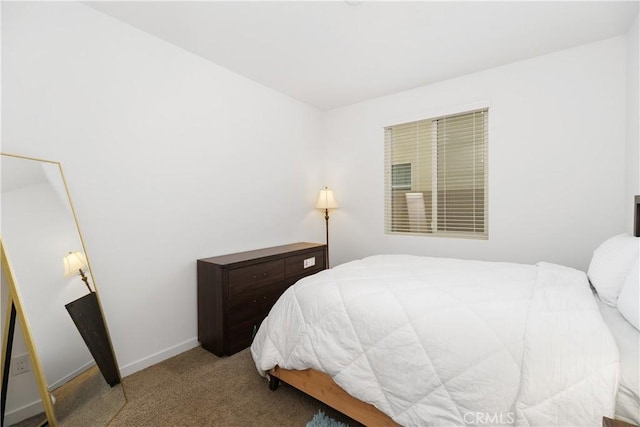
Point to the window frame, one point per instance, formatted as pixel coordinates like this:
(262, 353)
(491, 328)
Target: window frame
(435, 228)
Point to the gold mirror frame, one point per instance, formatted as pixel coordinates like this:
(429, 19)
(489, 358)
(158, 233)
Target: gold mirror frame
(15, 303)
(15, 311)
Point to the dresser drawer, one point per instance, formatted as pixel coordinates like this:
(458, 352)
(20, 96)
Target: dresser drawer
(242, 280)
(241, 335)
(254, 306)
(295, 264)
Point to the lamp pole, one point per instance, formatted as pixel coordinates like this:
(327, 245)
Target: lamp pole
(85, 280)
(326, 201)
(326, 227)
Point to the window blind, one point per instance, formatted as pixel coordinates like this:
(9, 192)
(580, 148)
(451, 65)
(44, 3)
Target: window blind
(446, 192)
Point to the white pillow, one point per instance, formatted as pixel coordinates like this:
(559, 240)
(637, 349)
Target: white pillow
(629, 298)
(610, 264)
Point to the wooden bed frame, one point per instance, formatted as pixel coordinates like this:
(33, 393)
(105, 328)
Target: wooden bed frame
(322, 387)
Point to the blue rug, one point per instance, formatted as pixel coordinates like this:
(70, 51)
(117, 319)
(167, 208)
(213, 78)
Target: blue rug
(322, 420)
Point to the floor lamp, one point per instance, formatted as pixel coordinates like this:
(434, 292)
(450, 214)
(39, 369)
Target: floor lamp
(326, 201)
(74, 262)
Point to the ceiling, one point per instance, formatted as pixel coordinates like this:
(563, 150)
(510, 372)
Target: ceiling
(334, 53)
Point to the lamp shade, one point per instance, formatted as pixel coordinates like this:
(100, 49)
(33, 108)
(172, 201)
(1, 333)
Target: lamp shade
(326, 199)
(73, 262)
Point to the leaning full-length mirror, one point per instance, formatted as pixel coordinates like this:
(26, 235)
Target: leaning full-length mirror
(57, 291)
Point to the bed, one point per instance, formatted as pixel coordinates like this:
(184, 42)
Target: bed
(407, 340)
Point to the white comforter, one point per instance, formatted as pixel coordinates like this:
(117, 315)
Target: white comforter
(432, 341)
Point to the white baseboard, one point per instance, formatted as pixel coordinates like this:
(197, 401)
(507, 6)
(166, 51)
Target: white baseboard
(24, 412)
(139, 365)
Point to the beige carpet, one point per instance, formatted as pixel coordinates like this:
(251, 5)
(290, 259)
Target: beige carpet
(196, 388)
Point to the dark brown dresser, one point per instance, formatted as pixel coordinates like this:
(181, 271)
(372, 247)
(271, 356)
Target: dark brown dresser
(236, 291)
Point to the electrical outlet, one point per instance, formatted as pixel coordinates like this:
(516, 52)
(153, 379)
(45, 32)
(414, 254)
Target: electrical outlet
(309, 262)
(20, 364)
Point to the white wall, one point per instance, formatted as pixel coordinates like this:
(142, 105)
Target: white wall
(633, 117)
(169, 158)
(556, 150)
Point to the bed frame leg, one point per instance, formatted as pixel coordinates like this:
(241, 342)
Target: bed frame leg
(274, 382)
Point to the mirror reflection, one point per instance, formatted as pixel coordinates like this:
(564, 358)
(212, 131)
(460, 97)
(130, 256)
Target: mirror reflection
(57, 290)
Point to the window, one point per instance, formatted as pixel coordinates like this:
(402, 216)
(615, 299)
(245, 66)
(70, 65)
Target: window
(436, 176)
(401, 176)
